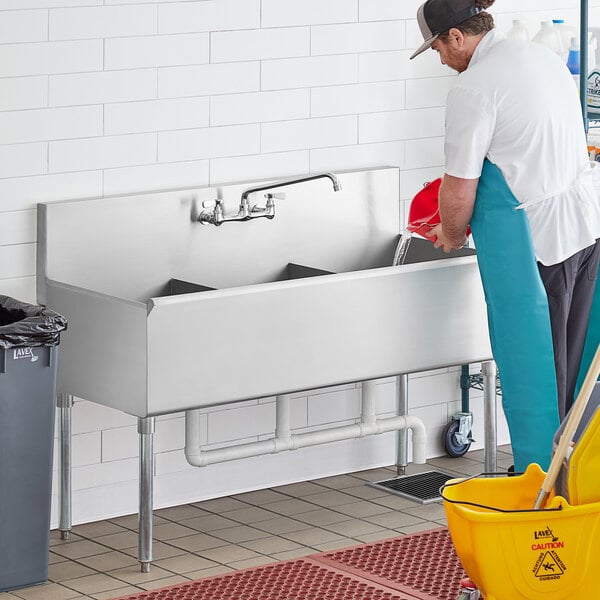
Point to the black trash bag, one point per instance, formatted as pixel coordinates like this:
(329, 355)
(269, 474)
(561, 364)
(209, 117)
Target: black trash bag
(24, 325)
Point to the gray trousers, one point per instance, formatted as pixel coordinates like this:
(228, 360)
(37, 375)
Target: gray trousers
(570, 287)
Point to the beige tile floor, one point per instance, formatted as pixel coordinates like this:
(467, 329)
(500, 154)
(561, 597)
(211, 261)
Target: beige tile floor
(245, 530)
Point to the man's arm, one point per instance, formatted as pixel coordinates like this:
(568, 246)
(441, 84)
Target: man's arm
(456, 201)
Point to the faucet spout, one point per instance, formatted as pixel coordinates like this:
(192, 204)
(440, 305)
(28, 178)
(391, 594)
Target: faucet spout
(247, 212)
(337, 186)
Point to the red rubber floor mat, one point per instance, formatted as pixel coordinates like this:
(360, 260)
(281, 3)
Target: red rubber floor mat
(423, 564)
(299, 579)
(420, 566)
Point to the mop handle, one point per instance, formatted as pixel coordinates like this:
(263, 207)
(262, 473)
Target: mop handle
(569, 431)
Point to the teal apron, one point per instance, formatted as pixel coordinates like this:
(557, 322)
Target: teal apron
(518, 317)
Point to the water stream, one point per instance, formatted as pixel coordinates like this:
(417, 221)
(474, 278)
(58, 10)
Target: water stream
(402, 248)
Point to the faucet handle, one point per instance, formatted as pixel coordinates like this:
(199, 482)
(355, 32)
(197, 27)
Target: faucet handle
(277, 196)
(214, 217)
(211, 203)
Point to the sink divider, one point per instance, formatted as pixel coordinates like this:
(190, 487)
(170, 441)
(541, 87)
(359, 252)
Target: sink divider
(369, 424)
(295, 271)
(175, 287)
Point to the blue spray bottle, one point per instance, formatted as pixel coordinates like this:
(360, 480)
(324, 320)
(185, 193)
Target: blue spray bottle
(573, 61)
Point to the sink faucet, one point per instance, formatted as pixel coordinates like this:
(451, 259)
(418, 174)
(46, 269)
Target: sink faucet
(246, 212)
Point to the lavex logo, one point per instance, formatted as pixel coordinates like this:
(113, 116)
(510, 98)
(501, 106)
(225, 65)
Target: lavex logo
(24, 353)
(545, 534)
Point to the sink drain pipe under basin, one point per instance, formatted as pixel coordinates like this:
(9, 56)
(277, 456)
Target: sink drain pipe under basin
(369, 424)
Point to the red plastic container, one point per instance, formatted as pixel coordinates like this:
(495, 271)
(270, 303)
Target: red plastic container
(424, 211)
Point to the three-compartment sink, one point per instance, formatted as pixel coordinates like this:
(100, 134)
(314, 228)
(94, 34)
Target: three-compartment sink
(168, 314)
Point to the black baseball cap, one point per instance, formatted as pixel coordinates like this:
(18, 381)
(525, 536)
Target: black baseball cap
(436, 16)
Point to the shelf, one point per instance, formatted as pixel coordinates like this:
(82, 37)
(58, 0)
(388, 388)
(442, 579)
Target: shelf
(593, 116)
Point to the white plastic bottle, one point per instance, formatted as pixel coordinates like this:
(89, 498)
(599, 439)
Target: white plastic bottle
(549, 36)
(518, 31)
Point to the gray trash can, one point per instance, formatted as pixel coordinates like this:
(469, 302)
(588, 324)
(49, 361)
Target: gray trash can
(28, 354)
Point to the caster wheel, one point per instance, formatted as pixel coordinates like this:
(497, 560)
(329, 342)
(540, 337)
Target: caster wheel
(468, 590)
(453, 448)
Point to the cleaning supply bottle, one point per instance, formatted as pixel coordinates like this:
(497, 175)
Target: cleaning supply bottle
(591, 150)
(593, 79)
(573, 60)
(518, 31)
(549, 36)
(591, 144)
(566, 33)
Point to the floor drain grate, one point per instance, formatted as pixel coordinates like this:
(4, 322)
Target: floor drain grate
(421, 487)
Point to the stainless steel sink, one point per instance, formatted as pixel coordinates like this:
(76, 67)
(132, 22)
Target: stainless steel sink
(167, 314)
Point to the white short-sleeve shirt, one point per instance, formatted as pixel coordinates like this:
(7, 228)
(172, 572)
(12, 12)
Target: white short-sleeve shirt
(517, 105)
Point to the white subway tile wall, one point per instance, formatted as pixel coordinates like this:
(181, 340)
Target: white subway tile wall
(207, 80)
(44, 124)
(101, 22)
(155, 115)
(309, 133)
(259, 44)
(50, 58)
(128, 180)
(24, 26)
(156, 51)
(101, 152)
(22, 93)
(102, 97)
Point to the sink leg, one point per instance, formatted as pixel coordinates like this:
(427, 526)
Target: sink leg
(402, 435)
(64, 403)
(146, 433)
(488, 368)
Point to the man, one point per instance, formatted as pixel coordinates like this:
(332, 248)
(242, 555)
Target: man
(518, 172)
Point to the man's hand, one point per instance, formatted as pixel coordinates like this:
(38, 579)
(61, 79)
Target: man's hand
(441, 240)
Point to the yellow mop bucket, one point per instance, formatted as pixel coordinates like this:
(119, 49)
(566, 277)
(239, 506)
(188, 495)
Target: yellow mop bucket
(513, 552)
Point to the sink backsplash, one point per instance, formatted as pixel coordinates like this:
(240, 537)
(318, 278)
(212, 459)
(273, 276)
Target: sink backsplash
(137, 243)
